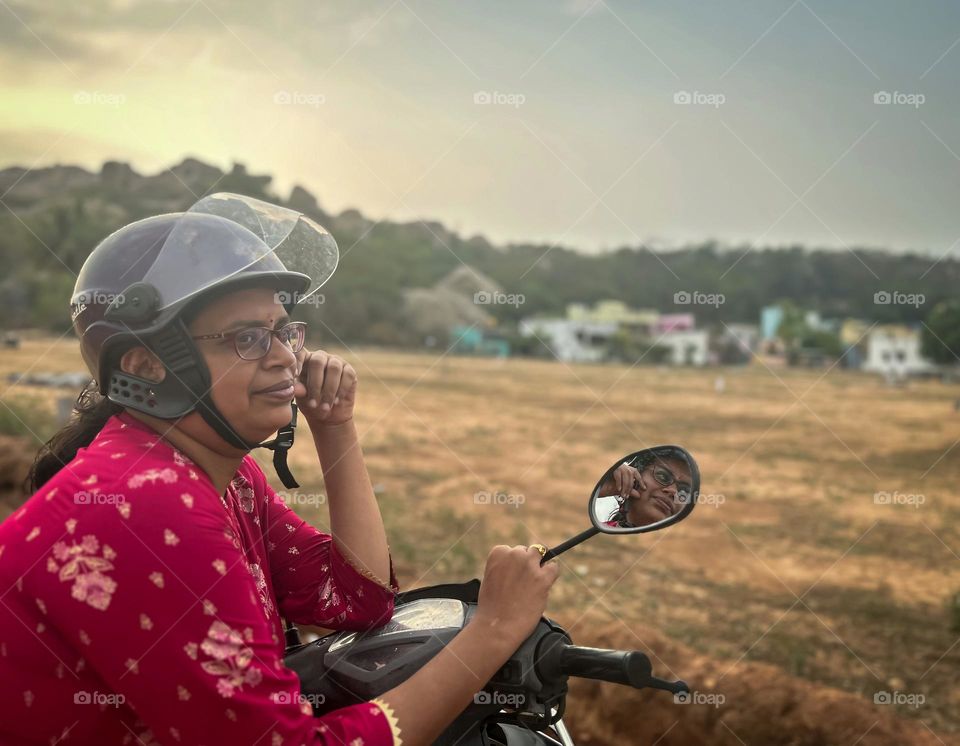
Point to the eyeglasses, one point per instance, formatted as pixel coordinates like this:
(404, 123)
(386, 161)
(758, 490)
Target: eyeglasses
(253, 342)
(666, 477)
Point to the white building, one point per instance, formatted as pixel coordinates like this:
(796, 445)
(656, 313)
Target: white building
(894, 352)
(572, 341)
(687, 347)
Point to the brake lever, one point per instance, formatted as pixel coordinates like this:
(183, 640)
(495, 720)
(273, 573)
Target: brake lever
(640, 674)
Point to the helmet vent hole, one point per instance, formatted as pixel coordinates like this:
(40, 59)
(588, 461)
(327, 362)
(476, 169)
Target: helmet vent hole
(126, 394)
(137, 397)
(135, 386)
(151, 402)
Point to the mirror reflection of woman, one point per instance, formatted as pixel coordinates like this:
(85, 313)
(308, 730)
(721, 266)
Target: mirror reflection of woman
(649, 488)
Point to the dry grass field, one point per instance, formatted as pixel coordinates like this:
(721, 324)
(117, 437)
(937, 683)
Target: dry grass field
(789, 577)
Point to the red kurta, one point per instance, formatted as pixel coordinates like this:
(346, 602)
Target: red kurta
(137, 605)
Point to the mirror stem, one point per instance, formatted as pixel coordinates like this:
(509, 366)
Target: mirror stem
(570, 543)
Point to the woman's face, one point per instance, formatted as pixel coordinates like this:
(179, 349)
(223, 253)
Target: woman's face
(654, 501)
(237, 384)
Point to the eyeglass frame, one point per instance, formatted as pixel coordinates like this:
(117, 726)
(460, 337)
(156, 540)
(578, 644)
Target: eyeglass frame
(271, 332)
(653, 466)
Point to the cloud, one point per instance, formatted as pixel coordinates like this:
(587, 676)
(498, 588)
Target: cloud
(582, 7)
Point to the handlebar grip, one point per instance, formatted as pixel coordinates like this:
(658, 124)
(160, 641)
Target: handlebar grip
(616, 666)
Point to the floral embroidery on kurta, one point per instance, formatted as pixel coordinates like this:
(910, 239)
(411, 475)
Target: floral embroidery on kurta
(231, 659)
(82, 565)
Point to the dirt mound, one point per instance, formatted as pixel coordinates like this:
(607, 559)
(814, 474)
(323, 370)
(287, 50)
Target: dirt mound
(16, 456)
(761, 705)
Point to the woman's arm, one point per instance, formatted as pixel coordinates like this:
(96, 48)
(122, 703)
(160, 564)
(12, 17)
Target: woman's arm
(513, 596)
(326, 393)
(355, 521)
(313, 582)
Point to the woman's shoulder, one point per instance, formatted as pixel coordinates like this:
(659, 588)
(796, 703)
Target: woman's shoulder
(128, 462)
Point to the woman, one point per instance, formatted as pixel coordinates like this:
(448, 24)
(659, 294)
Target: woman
(143, 583)
(648, 489)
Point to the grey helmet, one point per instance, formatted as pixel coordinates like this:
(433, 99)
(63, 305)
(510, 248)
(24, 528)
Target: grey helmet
(137, 283)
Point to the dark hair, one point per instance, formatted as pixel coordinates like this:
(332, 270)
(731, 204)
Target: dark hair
(90, 414)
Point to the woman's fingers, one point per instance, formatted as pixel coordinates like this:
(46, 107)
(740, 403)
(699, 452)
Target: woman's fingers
(303, 372)
(324, 383)
(622, 480)
(330, 386)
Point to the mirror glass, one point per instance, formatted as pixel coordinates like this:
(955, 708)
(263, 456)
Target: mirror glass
(646, 491)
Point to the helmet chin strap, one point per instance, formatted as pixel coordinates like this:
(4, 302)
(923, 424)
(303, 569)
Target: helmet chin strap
(279, 445)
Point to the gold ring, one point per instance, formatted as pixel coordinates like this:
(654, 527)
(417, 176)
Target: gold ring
(540, 548)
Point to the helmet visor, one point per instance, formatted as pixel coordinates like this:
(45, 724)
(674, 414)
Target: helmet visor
(224, 236)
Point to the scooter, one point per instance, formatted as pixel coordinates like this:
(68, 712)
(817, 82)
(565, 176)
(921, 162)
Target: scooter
(523, 704)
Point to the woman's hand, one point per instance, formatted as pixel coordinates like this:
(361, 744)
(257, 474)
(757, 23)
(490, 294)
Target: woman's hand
(514, 591)
(624, 481)
(325, 389)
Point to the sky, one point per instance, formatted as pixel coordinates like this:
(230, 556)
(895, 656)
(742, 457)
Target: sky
(588, 123)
